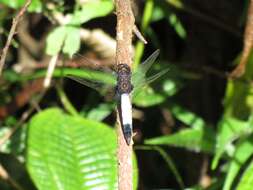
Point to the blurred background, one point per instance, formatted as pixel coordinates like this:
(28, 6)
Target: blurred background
(193, 127)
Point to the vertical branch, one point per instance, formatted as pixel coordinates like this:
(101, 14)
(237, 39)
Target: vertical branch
(125, 25)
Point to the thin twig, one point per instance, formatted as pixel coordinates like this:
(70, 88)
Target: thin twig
(4, 175)
(125, 25)
(15, 22)
(247, 45)
(50, 71)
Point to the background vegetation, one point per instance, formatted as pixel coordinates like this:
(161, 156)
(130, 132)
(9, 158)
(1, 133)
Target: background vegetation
(193, 125)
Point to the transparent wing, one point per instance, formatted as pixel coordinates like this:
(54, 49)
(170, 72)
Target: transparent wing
(92, 84)
(82, 61)
(140, 73)
(148, 80)
(144, 67)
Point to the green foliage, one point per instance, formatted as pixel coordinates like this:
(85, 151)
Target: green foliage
(73, 156)
(229, 129)
(63, 150)
(101, 111)
(35, 6)
(91, 10)
(67, 37)
(198, 140)
(246, 180)
(243, 151)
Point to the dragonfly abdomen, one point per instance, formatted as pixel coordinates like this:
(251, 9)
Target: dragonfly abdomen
(126, 111)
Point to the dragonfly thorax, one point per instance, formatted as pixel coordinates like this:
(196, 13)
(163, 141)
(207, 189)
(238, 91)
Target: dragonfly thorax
(123, 79)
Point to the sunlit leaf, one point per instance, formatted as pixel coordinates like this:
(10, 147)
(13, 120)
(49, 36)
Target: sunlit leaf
(90, 10)
(246, 181)
(101, 112)
(66, 152)
(72, 42)
(55, 40)
(187, 117)
(243, 151)
(35, 6)
(193, 139)
(16, 143)
(229, 129)
(147, 97)
(88, 74)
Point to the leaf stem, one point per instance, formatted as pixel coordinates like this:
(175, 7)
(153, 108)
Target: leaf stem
(167, 159)
(65, 101)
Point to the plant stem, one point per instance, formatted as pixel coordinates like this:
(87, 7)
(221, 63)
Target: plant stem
(125, 26)
(65, 101)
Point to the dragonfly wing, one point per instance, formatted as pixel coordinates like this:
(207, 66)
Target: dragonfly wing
(98, 86)
(140, 73)
(156, 76)
(149, 80)
(144, 67)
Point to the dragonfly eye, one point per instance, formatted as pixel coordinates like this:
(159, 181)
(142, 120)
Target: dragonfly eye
(123, 69)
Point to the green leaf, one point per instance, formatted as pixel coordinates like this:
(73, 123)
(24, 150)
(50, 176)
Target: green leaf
(147, 97)
(35, 6)
(177, 25)
(199, 140)
(67, 152)
(229, 129)
(158, 14)
(91, 10)
(88, 74)
(16, 143)
(243, 151)
(246, 182)
(55, 40)
(72, 41)
(101, 112)
(239, 92)
(170, 87)
(187, 117)
(11, 75)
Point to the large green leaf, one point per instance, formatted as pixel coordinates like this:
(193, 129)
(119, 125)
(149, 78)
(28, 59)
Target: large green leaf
(246, 182)
(243, 151)
(67, 152)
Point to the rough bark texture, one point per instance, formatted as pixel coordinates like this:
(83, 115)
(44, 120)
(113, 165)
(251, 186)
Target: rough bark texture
(125, 23)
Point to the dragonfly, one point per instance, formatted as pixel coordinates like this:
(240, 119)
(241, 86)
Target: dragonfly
(127, 85)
